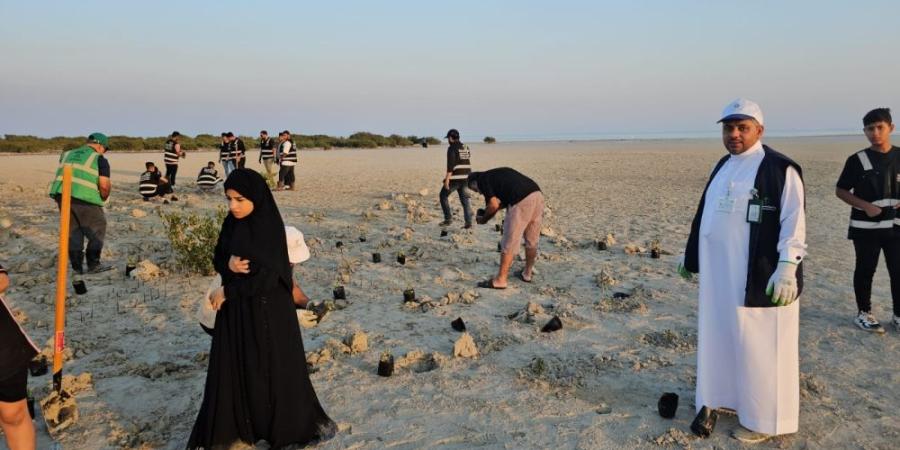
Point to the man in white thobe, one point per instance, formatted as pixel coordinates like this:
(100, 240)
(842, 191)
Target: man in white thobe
(747, 243)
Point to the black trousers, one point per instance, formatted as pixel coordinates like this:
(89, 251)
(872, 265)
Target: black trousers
(867, 253)
(86, 221)
(286, 176)
(171, 171)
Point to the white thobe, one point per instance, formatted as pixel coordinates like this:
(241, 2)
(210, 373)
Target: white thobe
(747, 358)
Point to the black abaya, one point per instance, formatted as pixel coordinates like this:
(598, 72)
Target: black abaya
(257, 384)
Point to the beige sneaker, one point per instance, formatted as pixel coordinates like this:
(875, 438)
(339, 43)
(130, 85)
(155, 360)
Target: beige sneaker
(750, 437)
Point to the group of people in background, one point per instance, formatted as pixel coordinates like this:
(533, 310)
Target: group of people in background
(279, 158)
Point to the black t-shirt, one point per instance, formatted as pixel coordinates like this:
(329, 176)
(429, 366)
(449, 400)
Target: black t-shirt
(103, 166)
(506, 184)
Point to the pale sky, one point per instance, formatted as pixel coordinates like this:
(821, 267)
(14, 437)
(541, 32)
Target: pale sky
(415, 67)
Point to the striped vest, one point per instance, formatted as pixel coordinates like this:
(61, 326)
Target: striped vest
(225, 152)
(147, 185)
(288, 153)
(170, 156)
(207, 178)
(85, 175)
(874, 184)
(266, 148)
(460, 171)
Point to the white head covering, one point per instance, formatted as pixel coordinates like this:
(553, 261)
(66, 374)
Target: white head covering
(742, 109)
(297, 249)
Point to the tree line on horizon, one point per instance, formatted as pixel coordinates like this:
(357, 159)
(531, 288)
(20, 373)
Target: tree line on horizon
(11, 143)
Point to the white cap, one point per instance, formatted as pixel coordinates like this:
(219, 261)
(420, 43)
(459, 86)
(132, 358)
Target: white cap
(742, 109)
(297, 249)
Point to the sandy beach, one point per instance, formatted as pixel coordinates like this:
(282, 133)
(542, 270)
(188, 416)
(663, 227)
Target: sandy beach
(593, 384)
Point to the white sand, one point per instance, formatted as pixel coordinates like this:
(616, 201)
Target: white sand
(148, 360)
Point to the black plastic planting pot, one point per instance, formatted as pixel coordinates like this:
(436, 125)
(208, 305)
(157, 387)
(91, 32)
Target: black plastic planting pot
(668, 404)
(458, 324)
(401, 259)
(601, 245)
(339, 293)
(705, 422)
(409, 295)
(338, 244)
(554, 324)
(443, 233)
(376, 257)
(80, 287)
(500, 247)
(386, 366)
(498, 227)
(128, 269)
(654, 253)
(362, 239)
(38, 367)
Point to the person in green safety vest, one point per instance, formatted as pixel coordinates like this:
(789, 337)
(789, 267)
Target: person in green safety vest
(90, 189)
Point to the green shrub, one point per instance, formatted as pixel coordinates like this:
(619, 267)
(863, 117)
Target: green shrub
(490, 140)
(193, 238)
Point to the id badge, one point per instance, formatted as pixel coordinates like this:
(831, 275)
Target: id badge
(754, 211)
(725, 204)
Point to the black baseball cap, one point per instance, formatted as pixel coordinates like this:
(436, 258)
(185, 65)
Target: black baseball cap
(453, 133)
(175, 134)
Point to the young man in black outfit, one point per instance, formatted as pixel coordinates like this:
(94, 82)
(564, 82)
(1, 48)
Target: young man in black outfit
(869, 183)
(171, 156)
(458, 169)
(153, 184)
(238, 150)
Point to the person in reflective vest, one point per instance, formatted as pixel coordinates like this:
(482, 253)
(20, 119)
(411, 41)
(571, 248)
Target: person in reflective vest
(90, 189)
(287, 152)
(870, 183)
(171, 156)
(208, 177)
(225, 155)
(153, 184)
(267, 153)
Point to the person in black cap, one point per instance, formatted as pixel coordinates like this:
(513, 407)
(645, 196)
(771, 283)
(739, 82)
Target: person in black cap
(458, 169)
(171, 156)
(16, 350)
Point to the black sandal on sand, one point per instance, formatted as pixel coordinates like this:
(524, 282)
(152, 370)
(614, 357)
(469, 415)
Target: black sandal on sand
(521, 275)
(489, 284)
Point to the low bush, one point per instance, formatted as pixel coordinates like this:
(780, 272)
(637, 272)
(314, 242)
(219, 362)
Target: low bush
(193, 238)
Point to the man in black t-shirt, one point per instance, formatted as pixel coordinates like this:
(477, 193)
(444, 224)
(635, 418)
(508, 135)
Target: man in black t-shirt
(524, 203)
(869, 183)
(458, 169)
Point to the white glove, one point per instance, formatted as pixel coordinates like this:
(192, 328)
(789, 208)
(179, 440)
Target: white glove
(687, 275)
(782, 287)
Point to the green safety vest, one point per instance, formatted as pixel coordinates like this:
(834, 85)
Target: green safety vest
(85, 175)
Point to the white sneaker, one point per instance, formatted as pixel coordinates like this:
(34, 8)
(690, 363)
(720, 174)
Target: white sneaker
(866, 321)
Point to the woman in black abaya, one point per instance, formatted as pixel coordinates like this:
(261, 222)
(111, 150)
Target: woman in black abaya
(257, 385)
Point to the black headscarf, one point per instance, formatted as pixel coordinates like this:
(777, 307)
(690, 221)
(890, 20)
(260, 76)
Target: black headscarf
(259, 237)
